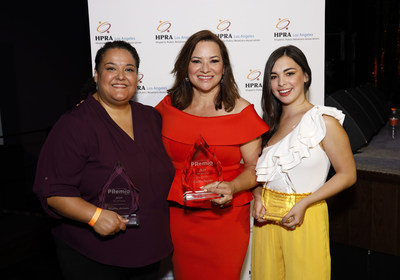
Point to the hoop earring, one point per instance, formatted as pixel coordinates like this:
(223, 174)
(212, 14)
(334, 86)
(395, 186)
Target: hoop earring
(186, 79)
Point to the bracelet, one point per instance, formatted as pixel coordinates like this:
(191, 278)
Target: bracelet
(95, 217)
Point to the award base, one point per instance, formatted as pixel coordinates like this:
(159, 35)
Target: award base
(200, 195)
(133, 220)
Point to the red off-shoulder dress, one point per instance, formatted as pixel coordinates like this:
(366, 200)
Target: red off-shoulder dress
(209, 241)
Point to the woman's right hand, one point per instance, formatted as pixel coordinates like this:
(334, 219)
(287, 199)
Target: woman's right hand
(109, 223)
(258, 207)
(78, 209)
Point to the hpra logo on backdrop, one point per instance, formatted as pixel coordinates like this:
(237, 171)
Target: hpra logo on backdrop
(224, 32)
(140, 85)
(146, 89)
(164, 35)
(253, 78)
(283, 28)
(164, 28)
(223, 26)
(283, 33)
(103, 29)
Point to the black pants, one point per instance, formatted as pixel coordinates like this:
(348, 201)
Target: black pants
(75, 266)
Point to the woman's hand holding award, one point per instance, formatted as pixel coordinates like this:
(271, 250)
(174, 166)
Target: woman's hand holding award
(201, 168)
(279, 196)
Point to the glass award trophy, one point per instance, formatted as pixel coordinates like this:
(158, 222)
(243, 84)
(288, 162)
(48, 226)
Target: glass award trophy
(279, 196)
(121, 196)
(201, 168)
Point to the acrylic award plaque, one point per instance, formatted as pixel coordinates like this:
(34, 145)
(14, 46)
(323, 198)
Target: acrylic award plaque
(279, 196)
(201, 168)
(121, 196)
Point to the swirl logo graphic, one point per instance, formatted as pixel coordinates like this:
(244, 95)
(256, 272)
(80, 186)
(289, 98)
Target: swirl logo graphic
(254, 75)
(223, 25)
(140, 78)
(283, 24)
(164, 26)
(104, 27)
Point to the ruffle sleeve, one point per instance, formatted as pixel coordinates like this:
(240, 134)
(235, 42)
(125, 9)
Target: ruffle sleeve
(289, 152)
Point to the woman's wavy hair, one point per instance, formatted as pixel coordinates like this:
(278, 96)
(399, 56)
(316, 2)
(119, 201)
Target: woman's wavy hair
(181, 92)
(272, 107)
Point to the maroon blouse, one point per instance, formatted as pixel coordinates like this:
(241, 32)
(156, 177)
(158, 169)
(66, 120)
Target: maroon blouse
(76, 160)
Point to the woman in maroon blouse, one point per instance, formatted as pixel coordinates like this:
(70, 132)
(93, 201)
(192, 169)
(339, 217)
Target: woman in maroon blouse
(77, 159)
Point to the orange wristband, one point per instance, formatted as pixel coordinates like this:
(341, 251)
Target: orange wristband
(95, 217)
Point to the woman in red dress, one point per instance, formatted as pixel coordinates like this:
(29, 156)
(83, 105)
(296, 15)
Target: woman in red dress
(210, 237)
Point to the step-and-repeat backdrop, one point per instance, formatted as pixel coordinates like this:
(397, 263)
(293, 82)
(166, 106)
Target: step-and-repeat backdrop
(251, 30)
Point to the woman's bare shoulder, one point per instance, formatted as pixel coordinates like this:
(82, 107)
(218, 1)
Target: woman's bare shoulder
(241, 103)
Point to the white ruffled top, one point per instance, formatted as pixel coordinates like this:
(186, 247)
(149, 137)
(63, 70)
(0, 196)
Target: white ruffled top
(297, 163)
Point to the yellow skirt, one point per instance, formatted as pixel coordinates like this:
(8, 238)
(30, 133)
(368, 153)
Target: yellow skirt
(300, 254)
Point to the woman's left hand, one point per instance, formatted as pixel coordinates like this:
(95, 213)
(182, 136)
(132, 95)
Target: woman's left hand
(295, 217)
(226, 189)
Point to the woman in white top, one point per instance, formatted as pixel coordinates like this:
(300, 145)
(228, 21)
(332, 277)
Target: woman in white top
(304, 140)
